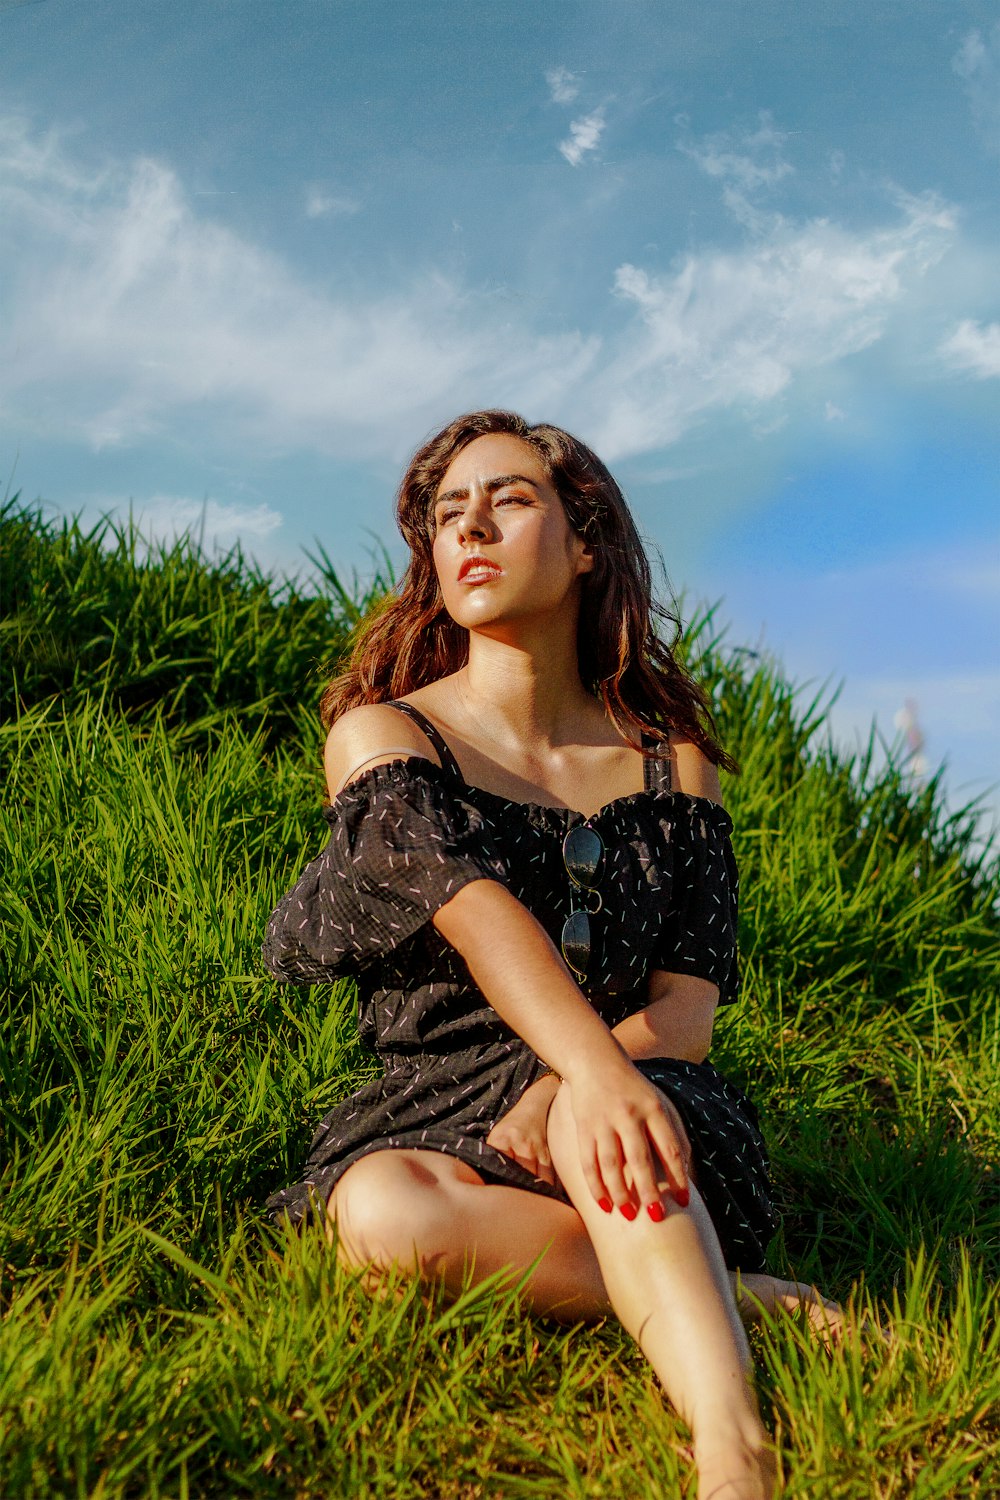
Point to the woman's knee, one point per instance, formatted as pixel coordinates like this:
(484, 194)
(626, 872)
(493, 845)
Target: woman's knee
(391, 1208)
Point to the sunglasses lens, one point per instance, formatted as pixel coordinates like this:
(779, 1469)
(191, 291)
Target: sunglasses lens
(576, 941)
(582, 853)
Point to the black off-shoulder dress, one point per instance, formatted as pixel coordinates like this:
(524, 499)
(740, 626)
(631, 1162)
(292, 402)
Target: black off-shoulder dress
(404, 838)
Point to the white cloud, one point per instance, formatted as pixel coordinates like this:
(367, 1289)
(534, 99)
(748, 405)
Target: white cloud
(734, 328)
(749, 159)
(833, 413)
(969, 573)
(918, 624)
(747, 163)
(215, 524)
(974, 348)
(563, 85)
(977, 63)
(129, 312)
(584, 136)
(958, 714)
(322, 204)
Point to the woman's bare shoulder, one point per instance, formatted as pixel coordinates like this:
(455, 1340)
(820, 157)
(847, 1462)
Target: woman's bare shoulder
(693, 772)
(368, 736)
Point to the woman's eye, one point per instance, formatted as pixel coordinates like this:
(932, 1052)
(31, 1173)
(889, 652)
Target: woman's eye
(444, 516)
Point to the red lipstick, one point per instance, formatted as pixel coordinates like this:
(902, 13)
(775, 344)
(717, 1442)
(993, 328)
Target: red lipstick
(476, 561)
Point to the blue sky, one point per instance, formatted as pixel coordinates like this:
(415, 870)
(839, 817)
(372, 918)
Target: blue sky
(251, 253)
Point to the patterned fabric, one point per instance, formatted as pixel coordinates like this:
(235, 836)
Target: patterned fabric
(404, 838)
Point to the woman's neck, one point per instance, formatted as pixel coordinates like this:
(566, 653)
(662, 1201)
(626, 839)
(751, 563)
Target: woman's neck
(524, 695)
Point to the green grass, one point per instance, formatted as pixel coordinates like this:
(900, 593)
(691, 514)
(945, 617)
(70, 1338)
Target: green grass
(160, 1338)
(102, 614)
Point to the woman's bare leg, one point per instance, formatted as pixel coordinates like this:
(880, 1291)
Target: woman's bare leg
(426, 1211)
(387, 1197)
(669, 1286)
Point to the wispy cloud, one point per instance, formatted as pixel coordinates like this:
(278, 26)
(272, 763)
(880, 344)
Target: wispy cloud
(974, 348)
(735, 328)
(584, 136)
(210, 522)
(563, 85)
(750, 159)
(129, 311)
(919, 623)
(977, 63)
(746, 162)
(126, 309)
(322, 204)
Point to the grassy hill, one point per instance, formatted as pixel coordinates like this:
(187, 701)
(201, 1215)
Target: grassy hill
(160, 767)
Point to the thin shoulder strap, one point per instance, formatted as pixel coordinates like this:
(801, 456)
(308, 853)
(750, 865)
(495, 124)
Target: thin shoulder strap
(656, 774)
(432, 732)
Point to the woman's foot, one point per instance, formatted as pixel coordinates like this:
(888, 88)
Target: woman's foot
(736, 1470)
(825, 1317)
(760, 1296)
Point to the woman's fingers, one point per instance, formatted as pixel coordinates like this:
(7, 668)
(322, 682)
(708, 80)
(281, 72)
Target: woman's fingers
(523, 1148)
(669, 1151)
(546, 1171)
(650, 1162)
(673, 1115)
(634, 1152)
(543, 1164)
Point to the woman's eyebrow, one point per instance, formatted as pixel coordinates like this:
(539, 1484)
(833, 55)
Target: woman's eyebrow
(499, 482)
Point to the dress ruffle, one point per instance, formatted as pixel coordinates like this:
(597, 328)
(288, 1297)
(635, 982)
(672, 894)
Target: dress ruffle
(401, 844)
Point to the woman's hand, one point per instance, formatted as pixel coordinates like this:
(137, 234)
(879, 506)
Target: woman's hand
(630, 1146)
(520, 1133)
(633, 1145)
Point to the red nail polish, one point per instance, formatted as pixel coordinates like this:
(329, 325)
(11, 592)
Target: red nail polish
(606, 1204)
(656, 1212)
(682, 1197)
(628, 1211)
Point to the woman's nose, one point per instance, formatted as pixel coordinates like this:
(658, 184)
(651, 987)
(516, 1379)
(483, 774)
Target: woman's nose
(476, 522)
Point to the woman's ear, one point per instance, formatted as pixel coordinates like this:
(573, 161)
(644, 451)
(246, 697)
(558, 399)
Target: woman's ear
(586, 558)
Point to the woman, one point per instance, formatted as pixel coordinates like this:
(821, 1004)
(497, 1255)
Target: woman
(529, 873)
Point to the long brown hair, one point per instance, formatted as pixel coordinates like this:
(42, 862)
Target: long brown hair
(623, 657)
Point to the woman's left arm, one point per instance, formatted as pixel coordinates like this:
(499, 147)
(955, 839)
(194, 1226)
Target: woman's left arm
(676, 1020)
(680, 1009)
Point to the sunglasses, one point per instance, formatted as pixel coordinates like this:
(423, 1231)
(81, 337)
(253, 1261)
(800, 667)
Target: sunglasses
(583, 855)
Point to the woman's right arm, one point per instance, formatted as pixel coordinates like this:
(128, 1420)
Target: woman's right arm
(621, 1125)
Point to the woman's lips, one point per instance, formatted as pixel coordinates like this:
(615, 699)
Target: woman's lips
(478, 570)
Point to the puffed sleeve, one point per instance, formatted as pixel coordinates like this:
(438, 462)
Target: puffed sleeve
(698, 935)
(402, 842)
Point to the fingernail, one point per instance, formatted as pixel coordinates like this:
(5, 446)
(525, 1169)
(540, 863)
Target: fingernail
(682, 1197)
(628, 1211)
(656, 1212)
(606, 1204)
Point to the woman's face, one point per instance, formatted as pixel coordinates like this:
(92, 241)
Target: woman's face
(504, 550)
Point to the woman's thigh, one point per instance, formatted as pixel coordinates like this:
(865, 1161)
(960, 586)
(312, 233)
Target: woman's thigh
(431, 1212)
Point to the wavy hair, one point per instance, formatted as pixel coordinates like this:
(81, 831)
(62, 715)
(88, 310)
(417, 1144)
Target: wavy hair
(624, 659)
